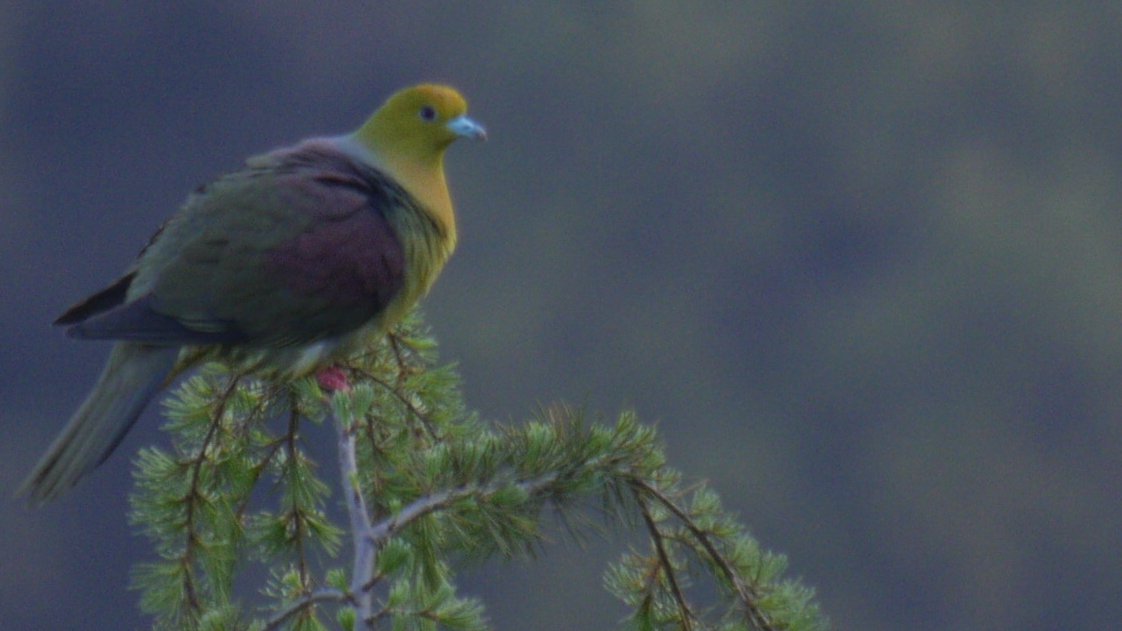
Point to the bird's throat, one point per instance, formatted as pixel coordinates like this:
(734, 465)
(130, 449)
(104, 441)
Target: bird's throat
(426, 183)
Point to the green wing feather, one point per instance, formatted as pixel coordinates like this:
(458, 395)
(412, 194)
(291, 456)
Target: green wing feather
(298, 247)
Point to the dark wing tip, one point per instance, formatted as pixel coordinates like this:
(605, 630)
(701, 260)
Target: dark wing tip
(137, 321)
(111, 297)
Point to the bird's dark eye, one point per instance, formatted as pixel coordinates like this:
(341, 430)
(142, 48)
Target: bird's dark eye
(427, 113)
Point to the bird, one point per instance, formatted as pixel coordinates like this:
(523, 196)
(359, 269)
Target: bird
(283, 267)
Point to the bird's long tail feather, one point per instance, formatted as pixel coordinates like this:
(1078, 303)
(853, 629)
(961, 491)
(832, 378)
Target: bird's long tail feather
(133, 374)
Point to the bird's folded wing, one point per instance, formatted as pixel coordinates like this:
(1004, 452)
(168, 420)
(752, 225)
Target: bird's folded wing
(291, 250)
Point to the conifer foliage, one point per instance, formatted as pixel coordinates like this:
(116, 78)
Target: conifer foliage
(420, 486)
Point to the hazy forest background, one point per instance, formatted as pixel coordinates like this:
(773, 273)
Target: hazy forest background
(861, 262)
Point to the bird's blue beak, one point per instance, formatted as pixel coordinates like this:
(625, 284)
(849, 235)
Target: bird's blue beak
(464, 127)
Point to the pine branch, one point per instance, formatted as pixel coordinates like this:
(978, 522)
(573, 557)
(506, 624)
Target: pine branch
(423, 483)
(362, 571)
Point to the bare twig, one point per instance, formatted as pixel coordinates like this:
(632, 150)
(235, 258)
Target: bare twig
(747, 594)
(395, 344)
(383, 530)
(270, 391)
(296, 513)
(436, 502)
(365, 550)
(193, 495)
(309, 600)
(687, 614)
(409, 405)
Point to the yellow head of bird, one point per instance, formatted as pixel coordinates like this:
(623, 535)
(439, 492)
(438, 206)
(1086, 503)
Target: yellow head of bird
(420, 122)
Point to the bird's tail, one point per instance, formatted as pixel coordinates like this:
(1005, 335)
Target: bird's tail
(132, 376)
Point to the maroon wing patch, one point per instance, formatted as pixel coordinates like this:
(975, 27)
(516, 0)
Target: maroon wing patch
(352, 262)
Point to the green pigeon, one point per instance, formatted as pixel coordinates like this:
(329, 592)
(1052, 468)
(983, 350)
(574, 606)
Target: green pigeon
(282, 267)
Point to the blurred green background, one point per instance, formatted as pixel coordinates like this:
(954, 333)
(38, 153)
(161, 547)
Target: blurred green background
(860, 262)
